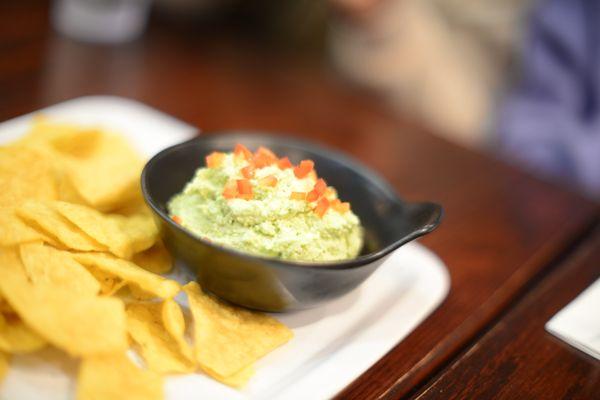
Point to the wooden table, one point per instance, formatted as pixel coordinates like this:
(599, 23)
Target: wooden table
(505, 238)
(516, 358)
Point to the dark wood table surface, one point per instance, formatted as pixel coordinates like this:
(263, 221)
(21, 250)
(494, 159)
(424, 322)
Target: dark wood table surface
(505, 238)
(517, 358)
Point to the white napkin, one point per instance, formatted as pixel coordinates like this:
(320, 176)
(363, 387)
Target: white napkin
(579, 322)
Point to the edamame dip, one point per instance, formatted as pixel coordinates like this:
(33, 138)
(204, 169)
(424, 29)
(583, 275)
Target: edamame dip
(264, 205)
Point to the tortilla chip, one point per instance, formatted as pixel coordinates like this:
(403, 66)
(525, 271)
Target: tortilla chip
(97, 225)
(66, 190)
(108, 177)
(79, 324)
(116, 287)
(239, 379)
(228, 338)
(102, 165)
(156, 259)
(140, 229)
(123, 236)
(16, 337)
(25, 174)
(3, 365)
(43, 131)
(71, 216)
(42, 217)
(133, 206)
(156, 346)
(74, 142)
(109, 283)
(45, 265)
(115, 377)
(174, 322)
(5, 308)
(14, 231)
(138, 294)
(130, 273)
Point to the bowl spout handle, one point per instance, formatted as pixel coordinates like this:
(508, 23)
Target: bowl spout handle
(422, 218)
(427, 216)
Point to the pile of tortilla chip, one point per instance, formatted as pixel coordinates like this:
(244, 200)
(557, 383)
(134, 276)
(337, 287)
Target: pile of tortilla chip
(80, 270)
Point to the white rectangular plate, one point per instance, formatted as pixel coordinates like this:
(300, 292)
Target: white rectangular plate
(333, 344)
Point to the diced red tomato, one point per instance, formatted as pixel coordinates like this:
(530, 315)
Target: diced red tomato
(244, 188)
(243, 152)
(322, 206)
(266, 152)
(248, 172)
(215, 159)
(320, 186)
(176, 219)
(264, 157)
(298, 196)
(302, 170)
(270, 180)
(340, 206)
(318, 190)
(230, 190)
(312, 196)
(284, 163)
(343, 207)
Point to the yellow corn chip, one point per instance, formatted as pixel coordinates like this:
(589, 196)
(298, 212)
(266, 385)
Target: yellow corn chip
(3, 365)
(156, 259)
(174, 323)
(42, 217)
(107, 177)
(116, 287)
(79, 324)
(130, 273)
(160, 351)
(5, 308)
(16, 337)
(74, 142)
(138, 294)
(140, 229)
(66, 190)
(43, 131)
(74, 230)
(123, 236)
(228, 338)
(14, 231)
(109, 283)
(135, 205)
(25, 174)
(102, 167)
(115, 377)
(45, 265)
(237, 380)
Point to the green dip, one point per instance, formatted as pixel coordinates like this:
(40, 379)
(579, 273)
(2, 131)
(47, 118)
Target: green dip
(271, 224)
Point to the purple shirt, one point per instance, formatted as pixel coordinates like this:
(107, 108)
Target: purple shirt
(551, 121)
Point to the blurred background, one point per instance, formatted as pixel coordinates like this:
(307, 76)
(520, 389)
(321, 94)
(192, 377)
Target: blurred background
(518, 79)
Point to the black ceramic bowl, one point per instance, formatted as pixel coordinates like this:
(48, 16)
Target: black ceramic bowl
(272, 284)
